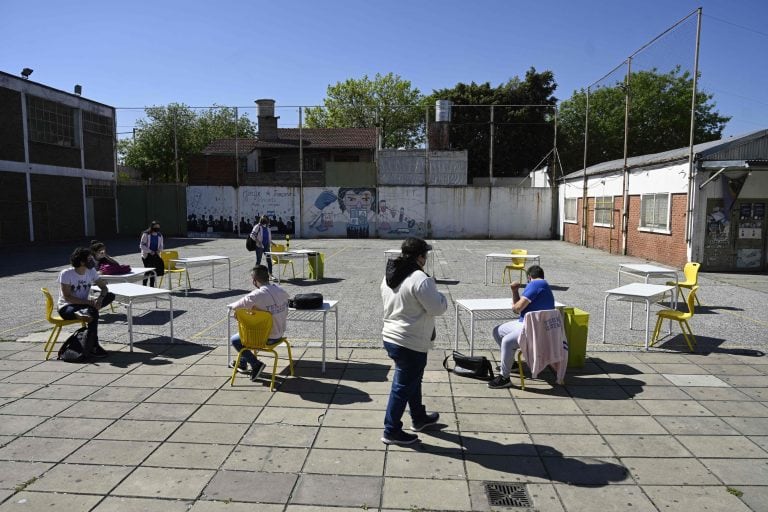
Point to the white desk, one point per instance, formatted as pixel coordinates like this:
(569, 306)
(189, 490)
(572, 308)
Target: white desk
(203, 260)
(485, 309)
(394, 253)
(136, 274)
(129, 294)
(301, 315)
(507, 257)
(646, 271)
(637, 292)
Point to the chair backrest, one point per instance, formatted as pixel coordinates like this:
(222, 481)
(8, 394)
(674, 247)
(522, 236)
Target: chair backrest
(167, 256)
(691, 271)
(543, 341)
(518, 261)
(48, 304)
(278, 248)
(691, 304)
(254, 327)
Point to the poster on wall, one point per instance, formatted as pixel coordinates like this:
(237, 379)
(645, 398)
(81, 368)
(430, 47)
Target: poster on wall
(276, 203)
(717, 239)
(210, 211)
(401, 212)
(340, 212)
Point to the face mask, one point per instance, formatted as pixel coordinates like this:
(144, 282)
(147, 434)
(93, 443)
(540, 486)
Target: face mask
(155, 230)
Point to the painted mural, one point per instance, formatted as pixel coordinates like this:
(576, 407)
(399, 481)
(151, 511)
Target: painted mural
(274, 202)
(340, 212)
(210, 210)
(401, 212)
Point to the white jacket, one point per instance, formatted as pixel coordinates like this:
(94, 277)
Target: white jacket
(410, 310)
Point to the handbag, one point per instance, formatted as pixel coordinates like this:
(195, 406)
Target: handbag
(306, 301)
(476, 367)
(250, 243)
(114, 269)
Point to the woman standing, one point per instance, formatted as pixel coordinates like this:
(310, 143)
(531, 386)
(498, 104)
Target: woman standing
(263, 238)
(151, 244)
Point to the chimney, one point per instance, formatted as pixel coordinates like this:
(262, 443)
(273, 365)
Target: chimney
(439, 130)
(265, 112)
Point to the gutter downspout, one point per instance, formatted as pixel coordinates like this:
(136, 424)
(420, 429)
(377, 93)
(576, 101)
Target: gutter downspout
(625, 201)
(691, 157)
(585, 191)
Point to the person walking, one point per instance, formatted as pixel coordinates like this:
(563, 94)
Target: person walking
(411, 303)
(265, 297)
(150, 245)
(263, 238)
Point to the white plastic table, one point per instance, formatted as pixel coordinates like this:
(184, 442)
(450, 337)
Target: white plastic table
(129, 294)
(203, 260)
(302, 315)
(506, 257)
(136, 274)
(646, 271)
(484, 309)
(637, 292)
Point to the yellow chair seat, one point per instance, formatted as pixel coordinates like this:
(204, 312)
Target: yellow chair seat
(517, 264)
(254, 327)
(691, 271)
(282, 260)
(680, 317)
(58, 322)
(170, 267)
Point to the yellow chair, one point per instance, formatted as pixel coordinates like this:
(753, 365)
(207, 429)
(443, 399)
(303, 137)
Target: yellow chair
(691, 271)
(550, 323)
(278, 260)
(517, 264)
(57, 321)
(680, 317)
(254, 327)
(170, 267)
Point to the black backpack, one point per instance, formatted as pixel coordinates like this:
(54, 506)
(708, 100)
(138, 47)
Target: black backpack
(306, 301)
(477, 367)
(75, 348)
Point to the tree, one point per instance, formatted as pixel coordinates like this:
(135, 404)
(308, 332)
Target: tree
(659, 119)
(153, 149)
(387, 102)
(523, 133)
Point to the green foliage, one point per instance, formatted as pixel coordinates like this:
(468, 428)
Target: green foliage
(152, 149)
(734, 491)
(387, 102)
(523, 134)
(659, 120)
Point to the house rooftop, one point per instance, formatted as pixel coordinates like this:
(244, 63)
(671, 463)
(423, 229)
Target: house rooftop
(288, 138)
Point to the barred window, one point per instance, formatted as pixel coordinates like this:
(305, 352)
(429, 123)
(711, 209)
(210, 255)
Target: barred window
(51, 122)
(654, 212)
(95, 123)
(571, 209)
(604, 211)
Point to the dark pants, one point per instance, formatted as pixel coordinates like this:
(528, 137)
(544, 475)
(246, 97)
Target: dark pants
(67, 312)
(406, 387)
(259, 253)
(156, 262)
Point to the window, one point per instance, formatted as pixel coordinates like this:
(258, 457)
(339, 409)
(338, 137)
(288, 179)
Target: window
(604, 211)
(51, 122)
(654, 212)
(571, 207)
(94, 123)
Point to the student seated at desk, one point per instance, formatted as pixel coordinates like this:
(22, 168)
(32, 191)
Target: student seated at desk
(266, 297)
(536, 296)
(74, 301)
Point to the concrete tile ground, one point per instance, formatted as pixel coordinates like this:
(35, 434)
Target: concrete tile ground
(161, 428)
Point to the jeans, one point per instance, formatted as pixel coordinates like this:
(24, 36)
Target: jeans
(259, 253)
(406, 387)
(67, 312)
(506, 335)
(248, 355)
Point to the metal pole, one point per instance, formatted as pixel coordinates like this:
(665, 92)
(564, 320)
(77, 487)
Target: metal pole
(301, 174)
(175, 148)
(490, 173)
(237, 172)
(584, 189)
(427, 224)
(625, 206)
(691, 141)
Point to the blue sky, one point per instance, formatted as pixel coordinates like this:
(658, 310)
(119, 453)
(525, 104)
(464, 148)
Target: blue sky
(140, 53)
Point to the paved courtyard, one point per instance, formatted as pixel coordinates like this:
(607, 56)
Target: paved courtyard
(160, 428)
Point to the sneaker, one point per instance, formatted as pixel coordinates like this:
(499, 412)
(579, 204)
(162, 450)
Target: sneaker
(400, 438)
(257, 369)
(240, 369)
(98, 351)
(428, 420)
(500, 382)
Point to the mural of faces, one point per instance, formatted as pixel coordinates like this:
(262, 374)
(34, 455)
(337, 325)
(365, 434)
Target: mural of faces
(363, 198)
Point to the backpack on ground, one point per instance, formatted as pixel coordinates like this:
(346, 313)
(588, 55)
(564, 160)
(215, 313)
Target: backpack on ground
(306, 301)
(477, 367)
(76, 347)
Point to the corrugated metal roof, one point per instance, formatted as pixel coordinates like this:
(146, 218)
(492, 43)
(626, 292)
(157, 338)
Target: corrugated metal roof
(750, 146)
(288, 138)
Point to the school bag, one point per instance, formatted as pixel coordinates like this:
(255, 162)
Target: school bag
(73, 348)
(306, 301)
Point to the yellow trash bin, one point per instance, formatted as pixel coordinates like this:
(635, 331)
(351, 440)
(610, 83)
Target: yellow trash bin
(316, 265)
(576, 328)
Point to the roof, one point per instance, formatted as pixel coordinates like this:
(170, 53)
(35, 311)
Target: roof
(750, 146)
(288, 138)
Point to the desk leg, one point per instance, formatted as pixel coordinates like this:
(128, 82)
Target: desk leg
(170, 305)
(605, 314)
(322, 368)
(186, 288)
(631, 313)
(129, 310)
(213, 280)
(647, 320)
(229, 333)
(229, 267)
(336, 326)
(471, 333)
(485, 275)
(456, 329)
